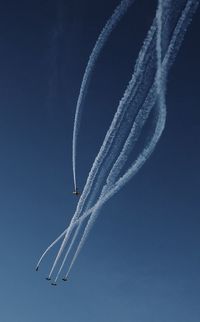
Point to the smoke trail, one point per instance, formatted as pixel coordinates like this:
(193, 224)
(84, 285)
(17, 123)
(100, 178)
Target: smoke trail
(117, 120)
(69, 249)
(106, 188)
(109, 161)
(50, 246)
(159, 48)
(176, 41)
(91, 201)
(110, 135)
(191, 6)
(97, 163)
(87, 230)
(139, 122)
(101, 41)
(161, 74)
(135, 83)
(161, 117)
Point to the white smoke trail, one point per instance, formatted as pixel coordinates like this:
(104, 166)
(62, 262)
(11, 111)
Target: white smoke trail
(191, 6)
(135, 84)
(159, 47)
(49, 247)
(176, 41)
(139, 123)
(92, 197)
(94, 168)
(109, 160)
(117, 120)
(115, 124)
(87, 230)
(101, 41)
(106, 188)
(161, 73)
(160, 120)
(91, 201)
(78, 228)
(110, 136)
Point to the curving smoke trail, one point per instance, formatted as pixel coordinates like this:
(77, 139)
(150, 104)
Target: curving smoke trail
(156, 94)
(101, 41)
(49, 248)
(161, 112)
(118, 118)
(107, 143)
(134, 84)
(176, 41)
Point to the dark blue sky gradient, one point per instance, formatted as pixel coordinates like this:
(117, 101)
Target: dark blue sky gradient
(142, 260)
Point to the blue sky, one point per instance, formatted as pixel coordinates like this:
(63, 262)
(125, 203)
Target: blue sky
(142, 260)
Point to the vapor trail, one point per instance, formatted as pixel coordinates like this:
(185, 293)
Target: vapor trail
(180, 30)
(101, 41)
(109, 138)
(100, 157)
(172, 51)
(134, 85)
(161, 116)
(78, 228)
(50, 246)
(161, 74)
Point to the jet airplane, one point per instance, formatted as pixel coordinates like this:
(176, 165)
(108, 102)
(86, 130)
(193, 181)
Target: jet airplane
(64, 279)
(76, 192)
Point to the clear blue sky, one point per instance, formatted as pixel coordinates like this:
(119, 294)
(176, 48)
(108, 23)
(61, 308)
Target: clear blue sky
(142, 260)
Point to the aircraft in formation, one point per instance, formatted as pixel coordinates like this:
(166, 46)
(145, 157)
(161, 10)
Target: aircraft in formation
(55, 284)
(76, 193)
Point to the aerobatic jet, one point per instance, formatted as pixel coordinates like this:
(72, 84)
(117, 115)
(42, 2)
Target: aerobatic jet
(37, 268)
(76, 192)
(54, 284)
(48, 278)
(64, 279)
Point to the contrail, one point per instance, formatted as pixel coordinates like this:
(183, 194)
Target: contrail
(101, 41)
(91, 221)
(117, 120)
(97, 163)
(175, 44)
(111, 136)
(92, 197)
(134, 83)
(161, 73)
(68, 250)
(50, 246)
(161, 117)
(132, 110)
(79, 224)
(139, 123)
